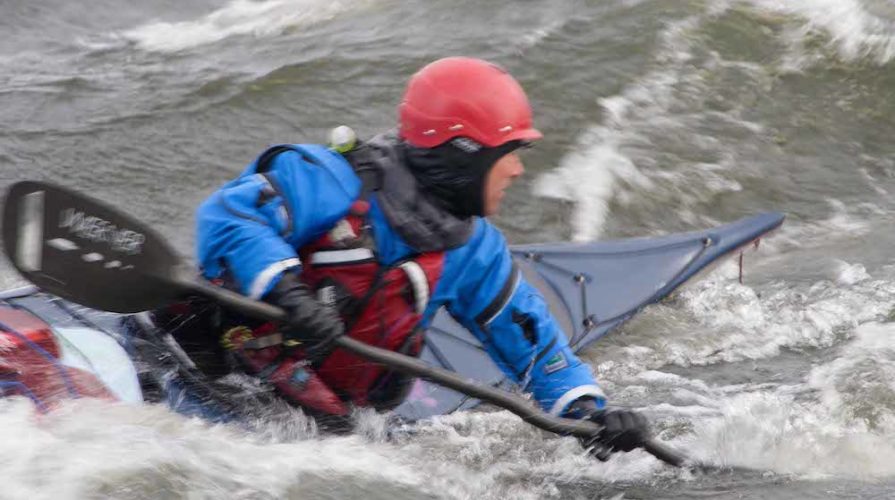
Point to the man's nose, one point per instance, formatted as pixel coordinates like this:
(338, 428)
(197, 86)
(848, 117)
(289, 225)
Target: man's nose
(518, 167)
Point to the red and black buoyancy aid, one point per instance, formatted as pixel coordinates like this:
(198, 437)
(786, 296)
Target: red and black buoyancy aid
(380, 305)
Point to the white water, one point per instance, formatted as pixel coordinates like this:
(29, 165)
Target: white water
(820, 427)
(89, 449)
(148, 452)
(830, 422)
(624, 159)
(790, 372)
(833, 420)
(855, 30)
(240, 18)
(614, 161)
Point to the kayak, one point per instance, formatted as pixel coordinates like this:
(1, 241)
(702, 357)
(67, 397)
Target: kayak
(52, 349)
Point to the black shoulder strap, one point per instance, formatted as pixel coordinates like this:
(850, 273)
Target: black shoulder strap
(263, 163)
(363, 160)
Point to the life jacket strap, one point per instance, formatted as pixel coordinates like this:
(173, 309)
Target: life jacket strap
(420, 284)
(335, 257)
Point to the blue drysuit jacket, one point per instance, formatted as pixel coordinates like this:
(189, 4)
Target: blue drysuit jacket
(252, 227)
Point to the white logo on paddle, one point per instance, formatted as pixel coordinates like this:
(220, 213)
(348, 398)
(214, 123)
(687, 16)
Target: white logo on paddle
(99, 230)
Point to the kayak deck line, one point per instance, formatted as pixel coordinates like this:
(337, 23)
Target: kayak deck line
(620, 277)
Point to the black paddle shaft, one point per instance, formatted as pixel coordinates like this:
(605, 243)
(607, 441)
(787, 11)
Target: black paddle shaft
(89, 253)
(412, 366)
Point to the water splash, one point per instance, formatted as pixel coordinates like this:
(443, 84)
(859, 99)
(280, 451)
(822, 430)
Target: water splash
(854, 30)
(92, 449)
(658, 145)
(239, 17)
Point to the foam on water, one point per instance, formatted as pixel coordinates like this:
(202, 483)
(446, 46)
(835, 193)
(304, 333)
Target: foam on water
(835, 423)
(841, 223)
(624, 160)
(831, 420)
(719, 320)
(776, 432)
(588, 178)
(864, 367)
(492, 451)
(854, 30)
(239, 17)
(91, 448)
(661, 141)
(590, 175)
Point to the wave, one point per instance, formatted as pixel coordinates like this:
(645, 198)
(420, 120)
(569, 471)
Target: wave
(618, 161)
(854, 29)
(687, 133)
(833, 423)
(239, 17)
(828, 420)
(104, 450)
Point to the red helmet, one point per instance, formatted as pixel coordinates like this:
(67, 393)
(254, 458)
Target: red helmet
(462, 96)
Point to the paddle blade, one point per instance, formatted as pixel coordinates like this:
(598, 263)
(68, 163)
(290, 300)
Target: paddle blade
(84, 251)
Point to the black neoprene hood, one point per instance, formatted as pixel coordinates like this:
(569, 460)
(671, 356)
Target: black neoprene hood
(454, 173)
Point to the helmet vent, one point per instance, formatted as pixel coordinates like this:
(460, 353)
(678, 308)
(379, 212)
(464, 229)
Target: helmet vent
(466, 145)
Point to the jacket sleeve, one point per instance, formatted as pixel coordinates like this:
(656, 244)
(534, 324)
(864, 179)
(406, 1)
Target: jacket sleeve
(251, 227)
(511, 319)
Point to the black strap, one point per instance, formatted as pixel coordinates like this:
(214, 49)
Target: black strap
(502, 298)
(262, 165)
(363, 160)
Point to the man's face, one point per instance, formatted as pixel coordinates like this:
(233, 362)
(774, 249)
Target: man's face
(501, 175)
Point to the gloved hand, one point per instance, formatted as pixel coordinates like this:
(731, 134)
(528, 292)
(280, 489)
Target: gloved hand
(314, 325)
(623, 429)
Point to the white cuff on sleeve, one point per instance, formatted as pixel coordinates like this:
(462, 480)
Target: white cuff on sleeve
(573, 394)
(259, 286)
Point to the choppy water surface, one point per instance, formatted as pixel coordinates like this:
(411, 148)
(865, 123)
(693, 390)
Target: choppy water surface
(659, 116)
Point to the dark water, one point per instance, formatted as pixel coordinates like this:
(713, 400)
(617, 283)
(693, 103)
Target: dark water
(658, 116)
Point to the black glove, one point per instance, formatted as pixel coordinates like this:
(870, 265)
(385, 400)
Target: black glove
(623, 430)
(316, 326)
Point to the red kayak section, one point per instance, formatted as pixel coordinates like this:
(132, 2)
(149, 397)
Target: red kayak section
(30, 363)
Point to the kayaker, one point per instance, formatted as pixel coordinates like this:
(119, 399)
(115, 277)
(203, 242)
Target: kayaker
(369, 239)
